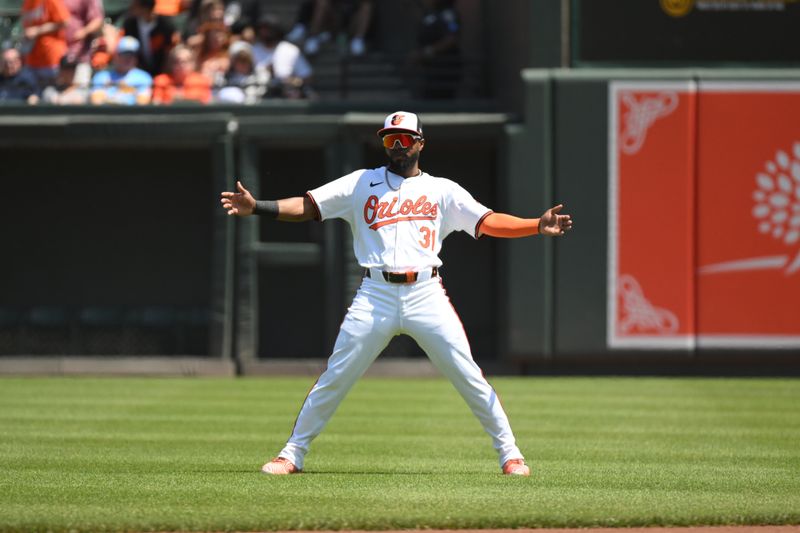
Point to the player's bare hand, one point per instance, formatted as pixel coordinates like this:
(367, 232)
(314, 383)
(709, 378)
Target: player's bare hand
(239, 203)
(554, 224)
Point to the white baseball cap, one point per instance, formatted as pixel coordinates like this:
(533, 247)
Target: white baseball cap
(128, 44)
(239, 47)
(401, 121)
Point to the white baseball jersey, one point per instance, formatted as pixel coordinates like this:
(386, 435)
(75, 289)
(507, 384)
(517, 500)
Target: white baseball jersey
(398, 224)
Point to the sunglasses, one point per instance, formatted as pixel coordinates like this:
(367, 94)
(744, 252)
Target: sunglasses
(405, 139)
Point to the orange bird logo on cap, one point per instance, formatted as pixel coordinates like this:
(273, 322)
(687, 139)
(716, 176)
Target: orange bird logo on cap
(397, 119)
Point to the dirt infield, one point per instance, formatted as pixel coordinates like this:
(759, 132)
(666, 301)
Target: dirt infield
(697, 529)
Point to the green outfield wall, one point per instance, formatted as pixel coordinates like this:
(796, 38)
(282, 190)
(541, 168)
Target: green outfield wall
(670, 175)
(115, 246)
(120, 248)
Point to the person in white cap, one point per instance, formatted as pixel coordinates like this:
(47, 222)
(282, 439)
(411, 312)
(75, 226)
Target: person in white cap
(399, 216)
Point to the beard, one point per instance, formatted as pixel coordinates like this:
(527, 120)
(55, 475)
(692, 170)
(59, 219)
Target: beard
(402, 164)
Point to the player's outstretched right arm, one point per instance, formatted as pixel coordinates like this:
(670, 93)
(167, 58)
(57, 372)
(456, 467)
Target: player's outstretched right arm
(242, 203)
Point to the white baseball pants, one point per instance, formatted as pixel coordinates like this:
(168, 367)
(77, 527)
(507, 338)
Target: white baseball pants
(380, 311)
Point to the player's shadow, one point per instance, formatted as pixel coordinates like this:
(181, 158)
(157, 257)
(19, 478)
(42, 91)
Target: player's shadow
(369, 473)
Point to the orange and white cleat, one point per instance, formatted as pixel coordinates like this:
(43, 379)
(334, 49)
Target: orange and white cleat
(280, 466)
(516, 467)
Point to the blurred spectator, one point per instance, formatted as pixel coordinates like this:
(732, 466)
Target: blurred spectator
(16, 84)
(181, 82)
(319, 20)
(289, 71)
(212, 58)
(123, 83)
(239, 16)
(67, 90)
(171, 8)
(103, 46)
(156, 35)
(44, 23)
(437, 58)
(85, 23)
(207, 11)
(244, 82)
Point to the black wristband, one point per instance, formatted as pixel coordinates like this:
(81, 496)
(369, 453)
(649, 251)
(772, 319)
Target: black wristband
(266, 207)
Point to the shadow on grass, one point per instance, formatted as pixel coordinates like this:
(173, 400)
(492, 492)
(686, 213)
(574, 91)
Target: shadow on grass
(324, 472)
(387, 472)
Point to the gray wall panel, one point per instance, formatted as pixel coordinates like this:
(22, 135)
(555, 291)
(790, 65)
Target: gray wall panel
(581, 185)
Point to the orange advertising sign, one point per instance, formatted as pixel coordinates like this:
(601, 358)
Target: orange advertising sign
(704, 218)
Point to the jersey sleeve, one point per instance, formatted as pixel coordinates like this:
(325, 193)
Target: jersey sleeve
(335, 199)
(463, 212)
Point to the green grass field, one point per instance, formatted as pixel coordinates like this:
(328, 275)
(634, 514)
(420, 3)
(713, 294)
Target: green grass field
(184, 454)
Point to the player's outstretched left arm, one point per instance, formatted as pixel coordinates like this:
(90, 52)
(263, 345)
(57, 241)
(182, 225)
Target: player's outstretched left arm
(551, 223)
(241, 203)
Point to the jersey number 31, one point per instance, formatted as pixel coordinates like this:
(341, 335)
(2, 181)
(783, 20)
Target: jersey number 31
(428, 238)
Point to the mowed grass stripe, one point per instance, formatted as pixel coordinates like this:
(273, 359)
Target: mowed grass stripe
(183, 454)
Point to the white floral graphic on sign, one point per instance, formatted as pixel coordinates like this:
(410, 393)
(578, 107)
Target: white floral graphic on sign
(778, 200)
(639, 313)
(777, 214)
(641, 114)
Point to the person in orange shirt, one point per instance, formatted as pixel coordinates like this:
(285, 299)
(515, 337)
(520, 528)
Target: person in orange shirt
(44, 23)
(171, 8)
(181, 82)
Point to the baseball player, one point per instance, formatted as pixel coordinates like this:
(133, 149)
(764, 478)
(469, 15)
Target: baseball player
(399, 216)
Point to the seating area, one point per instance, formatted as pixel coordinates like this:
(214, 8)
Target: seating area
(383, 73)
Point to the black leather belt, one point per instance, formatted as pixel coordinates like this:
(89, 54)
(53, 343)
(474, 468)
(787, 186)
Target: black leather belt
(401, 277)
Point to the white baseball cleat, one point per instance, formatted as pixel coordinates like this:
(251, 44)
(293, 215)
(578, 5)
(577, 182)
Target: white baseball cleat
(280, 466)
(516, 467)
